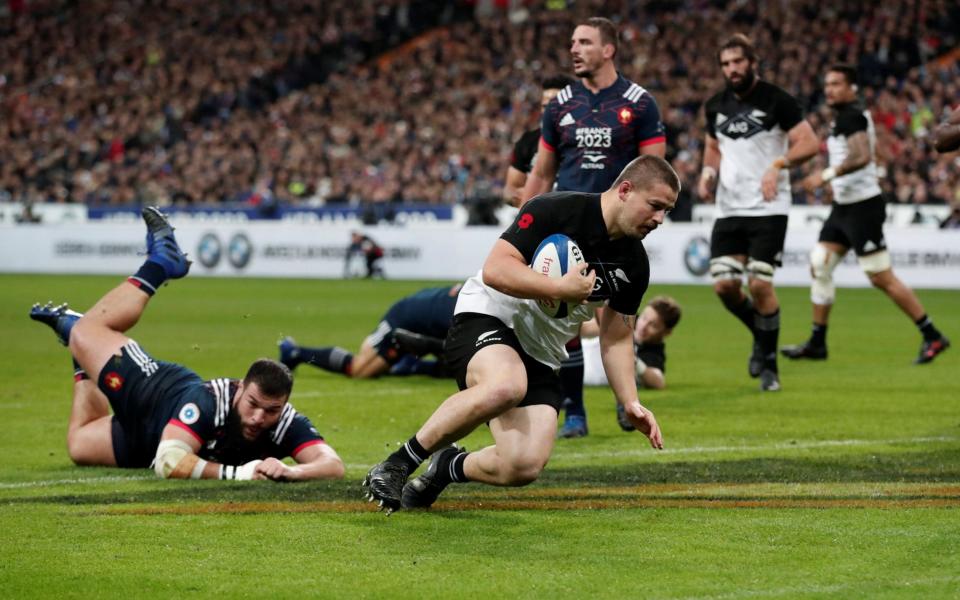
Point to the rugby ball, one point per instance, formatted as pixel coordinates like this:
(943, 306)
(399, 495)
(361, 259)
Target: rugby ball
(554, 257)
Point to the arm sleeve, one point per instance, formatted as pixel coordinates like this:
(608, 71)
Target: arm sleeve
(549, 132)
(710, 116)
(535, 221)
(300, 434)
(649, 128)
(789, 112)
(196, 414)
(849, 122)
(627, 299)
(519, 158)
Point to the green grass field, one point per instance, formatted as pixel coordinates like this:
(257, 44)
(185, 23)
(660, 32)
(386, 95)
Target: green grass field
(845, 484)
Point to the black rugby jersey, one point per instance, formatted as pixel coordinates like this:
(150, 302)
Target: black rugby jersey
(621, 265)
(525, 151)
(752, 133)
(863, 183)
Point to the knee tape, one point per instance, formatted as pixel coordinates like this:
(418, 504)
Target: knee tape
(725, 267)
(877, 262)
(757, 269)
(822, 264)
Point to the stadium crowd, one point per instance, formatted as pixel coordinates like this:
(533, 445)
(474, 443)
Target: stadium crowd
(319, 101)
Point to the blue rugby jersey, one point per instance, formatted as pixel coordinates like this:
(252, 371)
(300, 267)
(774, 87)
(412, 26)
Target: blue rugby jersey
(596, 135)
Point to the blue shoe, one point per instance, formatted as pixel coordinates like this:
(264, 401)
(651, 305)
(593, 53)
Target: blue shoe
(58, 318)
(289, 352)
(574, 426)
(162, 247)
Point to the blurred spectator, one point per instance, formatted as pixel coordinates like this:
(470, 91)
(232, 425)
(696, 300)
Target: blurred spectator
(316, 101)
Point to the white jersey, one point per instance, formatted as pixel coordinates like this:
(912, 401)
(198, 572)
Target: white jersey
(541, 336)
(752, 134)
(863, 183)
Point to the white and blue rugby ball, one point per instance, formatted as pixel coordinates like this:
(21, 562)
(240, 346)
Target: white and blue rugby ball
(555, 256)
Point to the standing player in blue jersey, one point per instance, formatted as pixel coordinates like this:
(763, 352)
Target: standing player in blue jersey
(413, 326)
(165, 415)
(589, 133)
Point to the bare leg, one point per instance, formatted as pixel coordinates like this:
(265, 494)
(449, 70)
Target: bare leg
(99, 334)
(497, 382)
(524, 441)
(897, 291)
(89, 432)
(368, 363)
(821, 313)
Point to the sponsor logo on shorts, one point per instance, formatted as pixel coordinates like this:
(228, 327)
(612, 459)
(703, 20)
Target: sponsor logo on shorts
(484, 338)
(113, 380)
(189, 414)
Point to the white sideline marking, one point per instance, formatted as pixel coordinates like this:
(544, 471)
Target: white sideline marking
(84, 480)
(824, 589)
(777, 446)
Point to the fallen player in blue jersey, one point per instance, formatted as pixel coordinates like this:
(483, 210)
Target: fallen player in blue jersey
(414, 326)
(164, 414)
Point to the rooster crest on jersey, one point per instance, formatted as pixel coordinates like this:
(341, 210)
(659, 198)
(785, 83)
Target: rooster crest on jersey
(555, 256)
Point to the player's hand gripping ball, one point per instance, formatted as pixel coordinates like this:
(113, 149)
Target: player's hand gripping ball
(555, 257)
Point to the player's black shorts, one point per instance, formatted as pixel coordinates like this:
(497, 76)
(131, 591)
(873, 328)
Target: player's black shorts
(759, 238)
(141, 390)
(472, 332)
(383, 341)
(858, 226)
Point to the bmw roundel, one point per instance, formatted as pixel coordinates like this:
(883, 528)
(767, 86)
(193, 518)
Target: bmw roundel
(189, 414)
(209, 250)
(696, 256)
(239, 250)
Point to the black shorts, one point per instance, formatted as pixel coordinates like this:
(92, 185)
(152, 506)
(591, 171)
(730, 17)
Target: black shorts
(858, 226)
(141, 392)
(472, 332)
(759, 238)
(383, 341)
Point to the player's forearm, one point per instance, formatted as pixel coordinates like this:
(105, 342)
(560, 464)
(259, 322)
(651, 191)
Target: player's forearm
(711, 154)
(617, 358)
(536, 184)
(323, 468)
(513, 278)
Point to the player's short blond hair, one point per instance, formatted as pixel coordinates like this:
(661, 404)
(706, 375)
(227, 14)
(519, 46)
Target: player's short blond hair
(646, 171)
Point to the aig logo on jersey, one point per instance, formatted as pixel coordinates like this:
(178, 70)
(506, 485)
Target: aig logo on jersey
(742, 125)
(189, 414)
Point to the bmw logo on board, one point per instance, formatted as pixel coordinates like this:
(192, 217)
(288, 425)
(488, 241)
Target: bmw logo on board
(209, 250)
(696, 256)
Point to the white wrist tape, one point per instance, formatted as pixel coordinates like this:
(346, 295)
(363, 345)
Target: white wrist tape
(197, 472)
(245, 472)
(242, 473)
(708, 173)
(828, 174)
(169, 454)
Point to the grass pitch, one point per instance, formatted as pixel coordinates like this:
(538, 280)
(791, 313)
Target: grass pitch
(845, 484)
